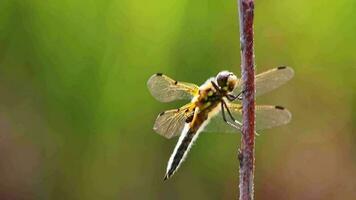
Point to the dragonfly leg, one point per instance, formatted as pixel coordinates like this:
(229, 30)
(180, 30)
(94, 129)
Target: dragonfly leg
(217, 88)
(228, 111)
(230, 114)
(224, 117)
(232, 97)
(239, 95)
(223, 104)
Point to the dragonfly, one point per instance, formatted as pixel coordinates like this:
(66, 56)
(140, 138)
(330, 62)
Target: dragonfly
(220, 94)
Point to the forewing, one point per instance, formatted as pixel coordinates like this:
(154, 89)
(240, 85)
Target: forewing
(165, 89)
(266, 117)
(269, 80)
(170, 123)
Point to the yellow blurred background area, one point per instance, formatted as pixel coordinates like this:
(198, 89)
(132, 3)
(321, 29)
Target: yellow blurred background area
(76, 116)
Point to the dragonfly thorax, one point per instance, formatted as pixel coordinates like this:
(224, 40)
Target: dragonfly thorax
(226, 80)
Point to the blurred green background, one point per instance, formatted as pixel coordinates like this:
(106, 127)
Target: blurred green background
(76, 116)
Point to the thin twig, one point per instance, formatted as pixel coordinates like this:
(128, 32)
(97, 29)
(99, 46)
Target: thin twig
(246, 154)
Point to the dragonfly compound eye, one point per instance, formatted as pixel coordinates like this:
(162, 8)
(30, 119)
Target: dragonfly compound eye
(226, 80)
(222, 78)
(231, 82)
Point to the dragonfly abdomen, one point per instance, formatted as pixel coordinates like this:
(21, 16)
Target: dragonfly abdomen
(179, 153)
(189, 135)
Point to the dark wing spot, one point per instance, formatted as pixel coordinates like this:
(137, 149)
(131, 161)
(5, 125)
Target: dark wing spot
(189, 119)
(176, 82)
(279, 107)
(281, 67)
(162, 113)
(159, 74)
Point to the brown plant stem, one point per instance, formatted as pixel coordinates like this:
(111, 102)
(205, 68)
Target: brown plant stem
(246, 154)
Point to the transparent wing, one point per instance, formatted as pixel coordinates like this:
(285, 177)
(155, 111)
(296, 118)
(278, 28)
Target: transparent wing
(269, 80)
(218, 125)
(266, 117)
(165, 89)
(170, 123)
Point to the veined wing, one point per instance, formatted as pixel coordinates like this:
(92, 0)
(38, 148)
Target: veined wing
(165, 89)
(170, 123)
(269, 80)
(266, 117)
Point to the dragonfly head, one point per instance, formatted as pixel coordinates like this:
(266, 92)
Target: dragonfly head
(226, 80)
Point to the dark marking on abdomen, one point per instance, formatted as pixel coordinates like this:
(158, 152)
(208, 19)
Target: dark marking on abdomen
(186, 142)
(183, 147)
(180, 153)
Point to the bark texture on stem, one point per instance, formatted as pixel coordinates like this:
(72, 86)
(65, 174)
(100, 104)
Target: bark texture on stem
(246, 154)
